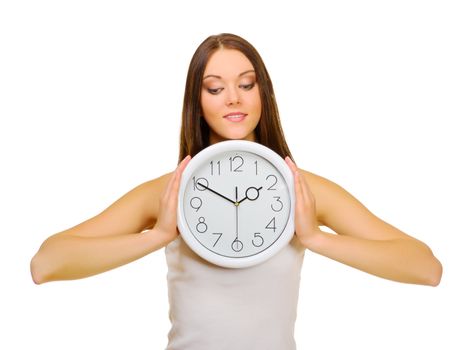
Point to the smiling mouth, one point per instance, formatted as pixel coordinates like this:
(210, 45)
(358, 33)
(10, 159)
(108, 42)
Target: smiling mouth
(235, 117)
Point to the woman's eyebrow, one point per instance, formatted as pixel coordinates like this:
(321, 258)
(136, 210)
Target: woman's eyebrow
(219, 77)
(246, 72)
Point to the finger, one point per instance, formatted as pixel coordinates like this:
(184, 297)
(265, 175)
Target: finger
(297, 184)
(305, 189)
(301, 182)
(291, 164)
(174, 177)
(169, 185)
(295, 172)
(181, 167)
(299, 193)
(177, 177)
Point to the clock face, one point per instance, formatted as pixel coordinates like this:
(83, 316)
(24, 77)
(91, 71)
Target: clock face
(235, 205)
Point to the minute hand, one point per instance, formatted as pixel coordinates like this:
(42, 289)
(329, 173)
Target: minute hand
(217, 193)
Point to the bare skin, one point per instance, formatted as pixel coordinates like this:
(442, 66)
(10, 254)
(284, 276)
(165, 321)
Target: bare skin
(144, 219)
(122, 233)
(363, 240)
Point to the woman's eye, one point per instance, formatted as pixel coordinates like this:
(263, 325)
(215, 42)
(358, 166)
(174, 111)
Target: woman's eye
(214, 91)
(247, 86)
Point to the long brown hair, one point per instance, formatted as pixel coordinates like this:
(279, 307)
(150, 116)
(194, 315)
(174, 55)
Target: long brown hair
(194, 135)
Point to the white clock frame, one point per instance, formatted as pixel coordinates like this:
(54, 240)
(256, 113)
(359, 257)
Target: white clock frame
(201, 158)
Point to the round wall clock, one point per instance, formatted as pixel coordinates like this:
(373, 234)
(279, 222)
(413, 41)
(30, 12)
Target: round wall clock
(236, 204)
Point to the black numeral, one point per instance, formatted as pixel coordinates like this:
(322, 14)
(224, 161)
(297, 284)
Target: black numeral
(212, 167)
(273, 224)
(219, 234)
(237, 245)
(258, 241)
(277, 204)
(274, 178)
(201, 227)
(195, 203)
(201, 180)
(234, 161)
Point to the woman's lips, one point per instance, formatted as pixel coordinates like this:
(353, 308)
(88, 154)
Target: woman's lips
(235, 117)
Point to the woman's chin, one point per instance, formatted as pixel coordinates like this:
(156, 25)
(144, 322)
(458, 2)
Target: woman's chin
(232, 136)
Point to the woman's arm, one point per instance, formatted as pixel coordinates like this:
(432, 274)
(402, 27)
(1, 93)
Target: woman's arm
(67, 256)
(363, 241)
(114, 237)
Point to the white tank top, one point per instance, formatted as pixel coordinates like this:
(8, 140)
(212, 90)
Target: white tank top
(215, 308)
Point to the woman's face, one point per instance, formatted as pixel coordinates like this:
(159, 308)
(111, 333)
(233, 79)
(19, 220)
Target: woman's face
(230, 99)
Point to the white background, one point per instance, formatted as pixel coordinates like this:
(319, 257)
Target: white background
(373, 95)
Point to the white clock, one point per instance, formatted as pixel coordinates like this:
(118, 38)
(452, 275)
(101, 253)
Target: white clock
(236, 204)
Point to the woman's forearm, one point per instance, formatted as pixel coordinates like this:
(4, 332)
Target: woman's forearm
(402, 260)
(64, 257)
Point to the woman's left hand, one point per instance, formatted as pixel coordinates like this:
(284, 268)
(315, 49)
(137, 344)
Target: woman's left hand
(306, 224)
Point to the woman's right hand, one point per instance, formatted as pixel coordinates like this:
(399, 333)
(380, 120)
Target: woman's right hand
(166, 225)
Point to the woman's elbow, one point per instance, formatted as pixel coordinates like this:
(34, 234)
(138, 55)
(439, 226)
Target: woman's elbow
(436, 273)
(430, 268)
(37, 270)
(431, 273)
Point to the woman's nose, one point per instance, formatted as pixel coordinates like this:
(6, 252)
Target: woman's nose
(232, 97)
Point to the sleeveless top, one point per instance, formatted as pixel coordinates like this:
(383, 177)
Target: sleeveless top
(216, 308)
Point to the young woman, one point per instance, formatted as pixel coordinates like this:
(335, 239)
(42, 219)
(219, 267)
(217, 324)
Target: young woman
(229, 95)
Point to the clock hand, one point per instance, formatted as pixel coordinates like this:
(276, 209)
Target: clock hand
(237, 245)
(210, 189)
(246, 194)
(236, 210)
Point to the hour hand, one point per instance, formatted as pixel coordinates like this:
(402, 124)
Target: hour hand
(251, 193)
(217, 193)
